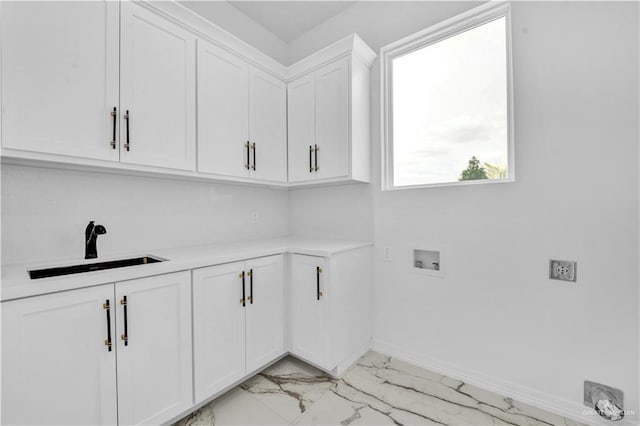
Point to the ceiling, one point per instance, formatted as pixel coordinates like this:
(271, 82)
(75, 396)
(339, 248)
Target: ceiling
(288, 20)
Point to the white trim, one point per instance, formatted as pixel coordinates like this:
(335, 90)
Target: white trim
(442, 184)
(207, 30)
(443, 30)
(545, 401)
(12, 157)
(53, 161)
(350, 45)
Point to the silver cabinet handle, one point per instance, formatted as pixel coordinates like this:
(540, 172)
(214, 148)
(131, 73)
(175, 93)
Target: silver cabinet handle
(107, 307)
(128, 142)
(125, 336)
(114, 115)
(253, 147)
(318, 292)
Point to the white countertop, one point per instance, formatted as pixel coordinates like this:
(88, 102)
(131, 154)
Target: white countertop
(17, 284)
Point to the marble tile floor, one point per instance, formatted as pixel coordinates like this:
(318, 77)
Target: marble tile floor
(378, 390)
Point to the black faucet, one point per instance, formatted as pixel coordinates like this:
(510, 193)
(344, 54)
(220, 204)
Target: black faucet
(90, 239)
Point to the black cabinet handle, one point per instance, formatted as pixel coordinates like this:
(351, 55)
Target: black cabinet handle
(316, 157)
(246, 165)
(126, 119)
(114, 115)
(107, 307)
(253, 147)
(243, 300)
(251, 286)
(318, 292)
(125, 336)
(310, 159)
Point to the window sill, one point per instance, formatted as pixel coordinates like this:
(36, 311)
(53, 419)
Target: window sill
(445, 184)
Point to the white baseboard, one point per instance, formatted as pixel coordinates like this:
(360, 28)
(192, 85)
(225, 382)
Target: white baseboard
(536, 398)
(346, 363)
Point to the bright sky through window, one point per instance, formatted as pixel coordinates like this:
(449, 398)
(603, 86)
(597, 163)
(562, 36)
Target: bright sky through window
(449, 105)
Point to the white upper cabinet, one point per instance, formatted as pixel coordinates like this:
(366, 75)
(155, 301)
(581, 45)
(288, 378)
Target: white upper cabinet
(328, 116)
(130, 86)
(223, 96)
(267, 126)
(332, 120)
(242, 118)
(59, 359)
(60, 77)
(157, 90)
(302, 121)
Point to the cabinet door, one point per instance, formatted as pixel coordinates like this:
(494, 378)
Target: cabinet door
(265, 311)
(267, 126)
(309, 310)
(332, 119)
(158, 89)
(218, 328)
(223, 98)
(301, 125)
(60, 77)
(56, 367)
(154, 348)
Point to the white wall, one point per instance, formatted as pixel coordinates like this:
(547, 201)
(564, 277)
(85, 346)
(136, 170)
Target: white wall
(376, 22)
(338, 212)
(237, 23)
(45, 212)
(495, 316)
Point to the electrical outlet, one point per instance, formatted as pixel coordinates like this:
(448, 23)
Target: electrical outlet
(254, 217)
(564, 270)
(387, 254)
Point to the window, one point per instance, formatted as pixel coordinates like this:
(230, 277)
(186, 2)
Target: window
(447, 110)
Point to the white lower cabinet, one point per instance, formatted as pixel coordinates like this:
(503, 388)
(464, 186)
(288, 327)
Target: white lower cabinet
(175, 334)
(218, 328)
(309, 333)
(238, 321)
(154, 348)
(264, 311)
(59, 354)
(331, 308)
(56, 364)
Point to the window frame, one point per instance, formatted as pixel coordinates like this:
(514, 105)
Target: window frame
(448, 28)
